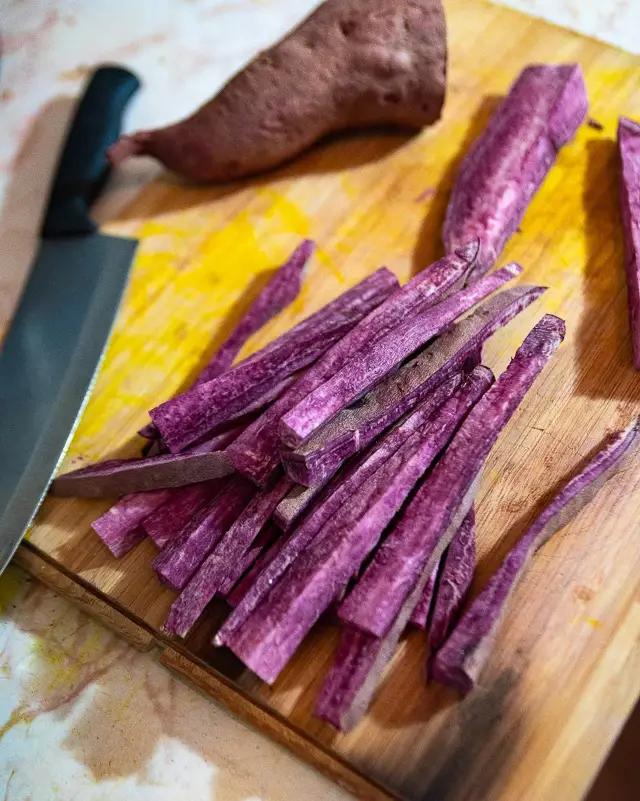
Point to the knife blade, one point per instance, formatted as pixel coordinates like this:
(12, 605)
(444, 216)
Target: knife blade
(59, 332)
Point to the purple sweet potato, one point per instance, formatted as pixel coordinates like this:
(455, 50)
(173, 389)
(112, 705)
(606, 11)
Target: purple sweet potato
(354, 428)
(183, 555)
(456, 573)
(259, 547)
(223, 559)
(507, 164)
(358, 667)
(334, 500)
(353, 659)
(420, 614)
(256, 452)
(178, 510)
(234, 598)
(119, 527)
(274, 630)
(444, 499)
(353, 474)
(124, 476)
(191, 415)
(629, 146)
(460, 660)
(363, 371)
(348, 65)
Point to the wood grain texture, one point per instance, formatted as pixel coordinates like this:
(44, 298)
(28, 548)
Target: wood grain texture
(564, 674)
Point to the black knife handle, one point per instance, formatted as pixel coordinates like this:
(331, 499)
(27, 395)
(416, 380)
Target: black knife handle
(83, 168)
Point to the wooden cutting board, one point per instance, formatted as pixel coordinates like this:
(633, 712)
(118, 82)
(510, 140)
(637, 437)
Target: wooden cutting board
(566, 669)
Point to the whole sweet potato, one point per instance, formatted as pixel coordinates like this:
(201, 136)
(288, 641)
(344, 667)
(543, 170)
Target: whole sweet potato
(352, 63)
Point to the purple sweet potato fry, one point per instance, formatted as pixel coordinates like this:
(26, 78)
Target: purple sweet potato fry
(234, 598)
(456, 573)
(629, 146)
(336, 496)
(178, 510)
(359, 664)
(184, 554)
(119, 527)
(420, 614)
(352, 475)
(461, 659)
(259, 547)
(444, 499)
(223, 559)
(256, 452)
(352, 429)
(509, 161)
(124, 476)
(363, 371)
(191, 415)
(274, 630)
(354, 657)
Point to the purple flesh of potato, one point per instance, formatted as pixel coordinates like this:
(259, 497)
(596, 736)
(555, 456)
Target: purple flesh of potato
(629, 146)
(119, 527)
(191, 415)
(460, 661)
(354, 474)
(509, 161)
(234, 598)
(361, 373)
(180, 508)
(259, 547)
(358, 667)
(124, 476)
(184, 554)
(226, 555)
(456, 574)
(337, 495)
(420, 614)
(281, 290)
(353, 429)
(354, 657)
(444, 499)
(256, 453)
(274, 630)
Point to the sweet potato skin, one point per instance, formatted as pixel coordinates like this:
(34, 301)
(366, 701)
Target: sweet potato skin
(348, 65)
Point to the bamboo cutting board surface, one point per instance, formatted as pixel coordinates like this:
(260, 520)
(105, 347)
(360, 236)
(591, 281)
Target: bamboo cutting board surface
(566, 669)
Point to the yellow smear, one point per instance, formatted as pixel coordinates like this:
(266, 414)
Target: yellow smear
(327, 262)
(10, 586)
(593, 622)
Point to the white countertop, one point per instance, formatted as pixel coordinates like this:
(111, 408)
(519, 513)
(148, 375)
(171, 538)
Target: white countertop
(82, 715)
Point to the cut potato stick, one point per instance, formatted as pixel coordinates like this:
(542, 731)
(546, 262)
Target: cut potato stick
(460, 661)
(418, 541)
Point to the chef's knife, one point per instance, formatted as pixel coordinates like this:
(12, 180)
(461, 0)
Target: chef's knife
(58, 335)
